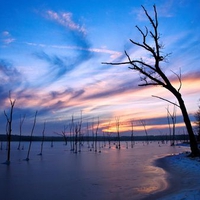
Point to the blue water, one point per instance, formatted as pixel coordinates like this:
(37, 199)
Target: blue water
(60, 174)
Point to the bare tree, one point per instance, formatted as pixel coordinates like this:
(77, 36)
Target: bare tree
(63, 133)
(88, 135)
(76, 138)
(9, 126)
(145, 130)
(132, 137)
(154, 75)
(30, 143)
(96, 131)
(117, 129)
(42, 143)
(71, 132)
(20, 130)
(173, 119)
(109, 136)
(197, 122)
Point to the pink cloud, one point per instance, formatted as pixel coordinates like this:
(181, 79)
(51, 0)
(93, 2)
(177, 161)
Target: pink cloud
(9, 40)
(6, 37)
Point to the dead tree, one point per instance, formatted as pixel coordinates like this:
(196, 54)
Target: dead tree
(42, 143)
(30, 143)
(88, 135)
(63, 134)
(132, 137)
(20, 130)
(96, 131)
(71, 132)
(173, 119)
(197, 123)
(80, 132)
(118, 135)
(109, 136)
(152, 73)
(9, 127)
(145, 130)
(76, 138)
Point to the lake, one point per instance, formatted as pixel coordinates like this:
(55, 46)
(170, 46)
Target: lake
(113, 174)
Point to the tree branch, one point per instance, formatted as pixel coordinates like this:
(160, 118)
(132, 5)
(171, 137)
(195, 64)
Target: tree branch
(179, 78)
(166, 100)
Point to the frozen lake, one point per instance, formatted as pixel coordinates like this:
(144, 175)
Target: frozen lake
(60, 174)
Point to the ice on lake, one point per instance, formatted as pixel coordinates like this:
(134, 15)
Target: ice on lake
(61, 174)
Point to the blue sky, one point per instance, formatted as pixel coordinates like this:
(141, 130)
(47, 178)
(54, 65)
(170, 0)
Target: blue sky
(51, 55)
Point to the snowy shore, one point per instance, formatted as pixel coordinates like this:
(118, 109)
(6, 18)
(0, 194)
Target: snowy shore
(183, 177)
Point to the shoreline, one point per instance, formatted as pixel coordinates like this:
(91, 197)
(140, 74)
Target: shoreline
(182, 177)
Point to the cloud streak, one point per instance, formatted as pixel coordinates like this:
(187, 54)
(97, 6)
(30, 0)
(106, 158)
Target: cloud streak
(65, 19)
(6, 38)
(113, 54)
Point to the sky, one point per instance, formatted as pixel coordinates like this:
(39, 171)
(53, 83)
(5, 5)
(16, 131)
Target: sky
(51, 55)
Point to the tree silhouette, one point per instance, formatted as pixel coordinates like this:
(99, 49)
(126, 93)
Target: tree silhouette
(30, 142)
(172, 116)
(152, 74)
(9, 119)
(20, 130)
(197, 122)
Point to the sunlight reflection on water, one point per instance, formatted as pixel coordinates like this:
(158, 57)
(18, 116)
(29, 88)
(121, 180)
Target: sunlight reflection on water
(60, 174)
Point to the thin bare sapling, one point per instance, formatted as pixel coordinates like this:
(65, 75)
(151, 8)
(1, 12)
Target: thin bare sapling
(9, 119)
(172, 129)
(31, 136)
(42, 143)
(20, 130)
(132, 134)
(143, 122)
(118, 146)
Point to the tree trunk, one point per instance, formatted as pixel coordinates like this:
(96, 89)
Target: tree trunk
(193, 142)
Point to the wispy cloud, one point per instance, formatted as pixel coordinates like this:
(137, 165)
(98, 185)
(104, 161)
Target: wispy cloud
(5, 33)
(113, 54)
(58, 66)
(8, 73)
(6, 38)
(10, 77)
(65, 19)
(164, 10)
(120, 89)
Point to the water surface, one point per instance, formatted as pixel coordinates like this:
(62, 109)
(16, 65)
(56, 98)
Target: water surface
(60, 174)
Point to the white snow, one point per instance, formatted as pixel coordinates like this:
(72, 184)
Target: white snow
(187, 172)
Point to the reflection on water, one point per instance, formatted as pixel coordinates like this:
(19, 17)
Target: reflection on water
(60, 174)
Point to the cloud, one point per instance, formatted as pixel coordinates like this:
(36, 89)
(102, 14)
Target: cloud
(49, 102)
(119, 89)
(70, 92)
(163, 10)
(65, 19)
(9, 74)
(6, 38)
(113, 54)
(10, 77)
(58, 66)
(5, 33)
(9, 40)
